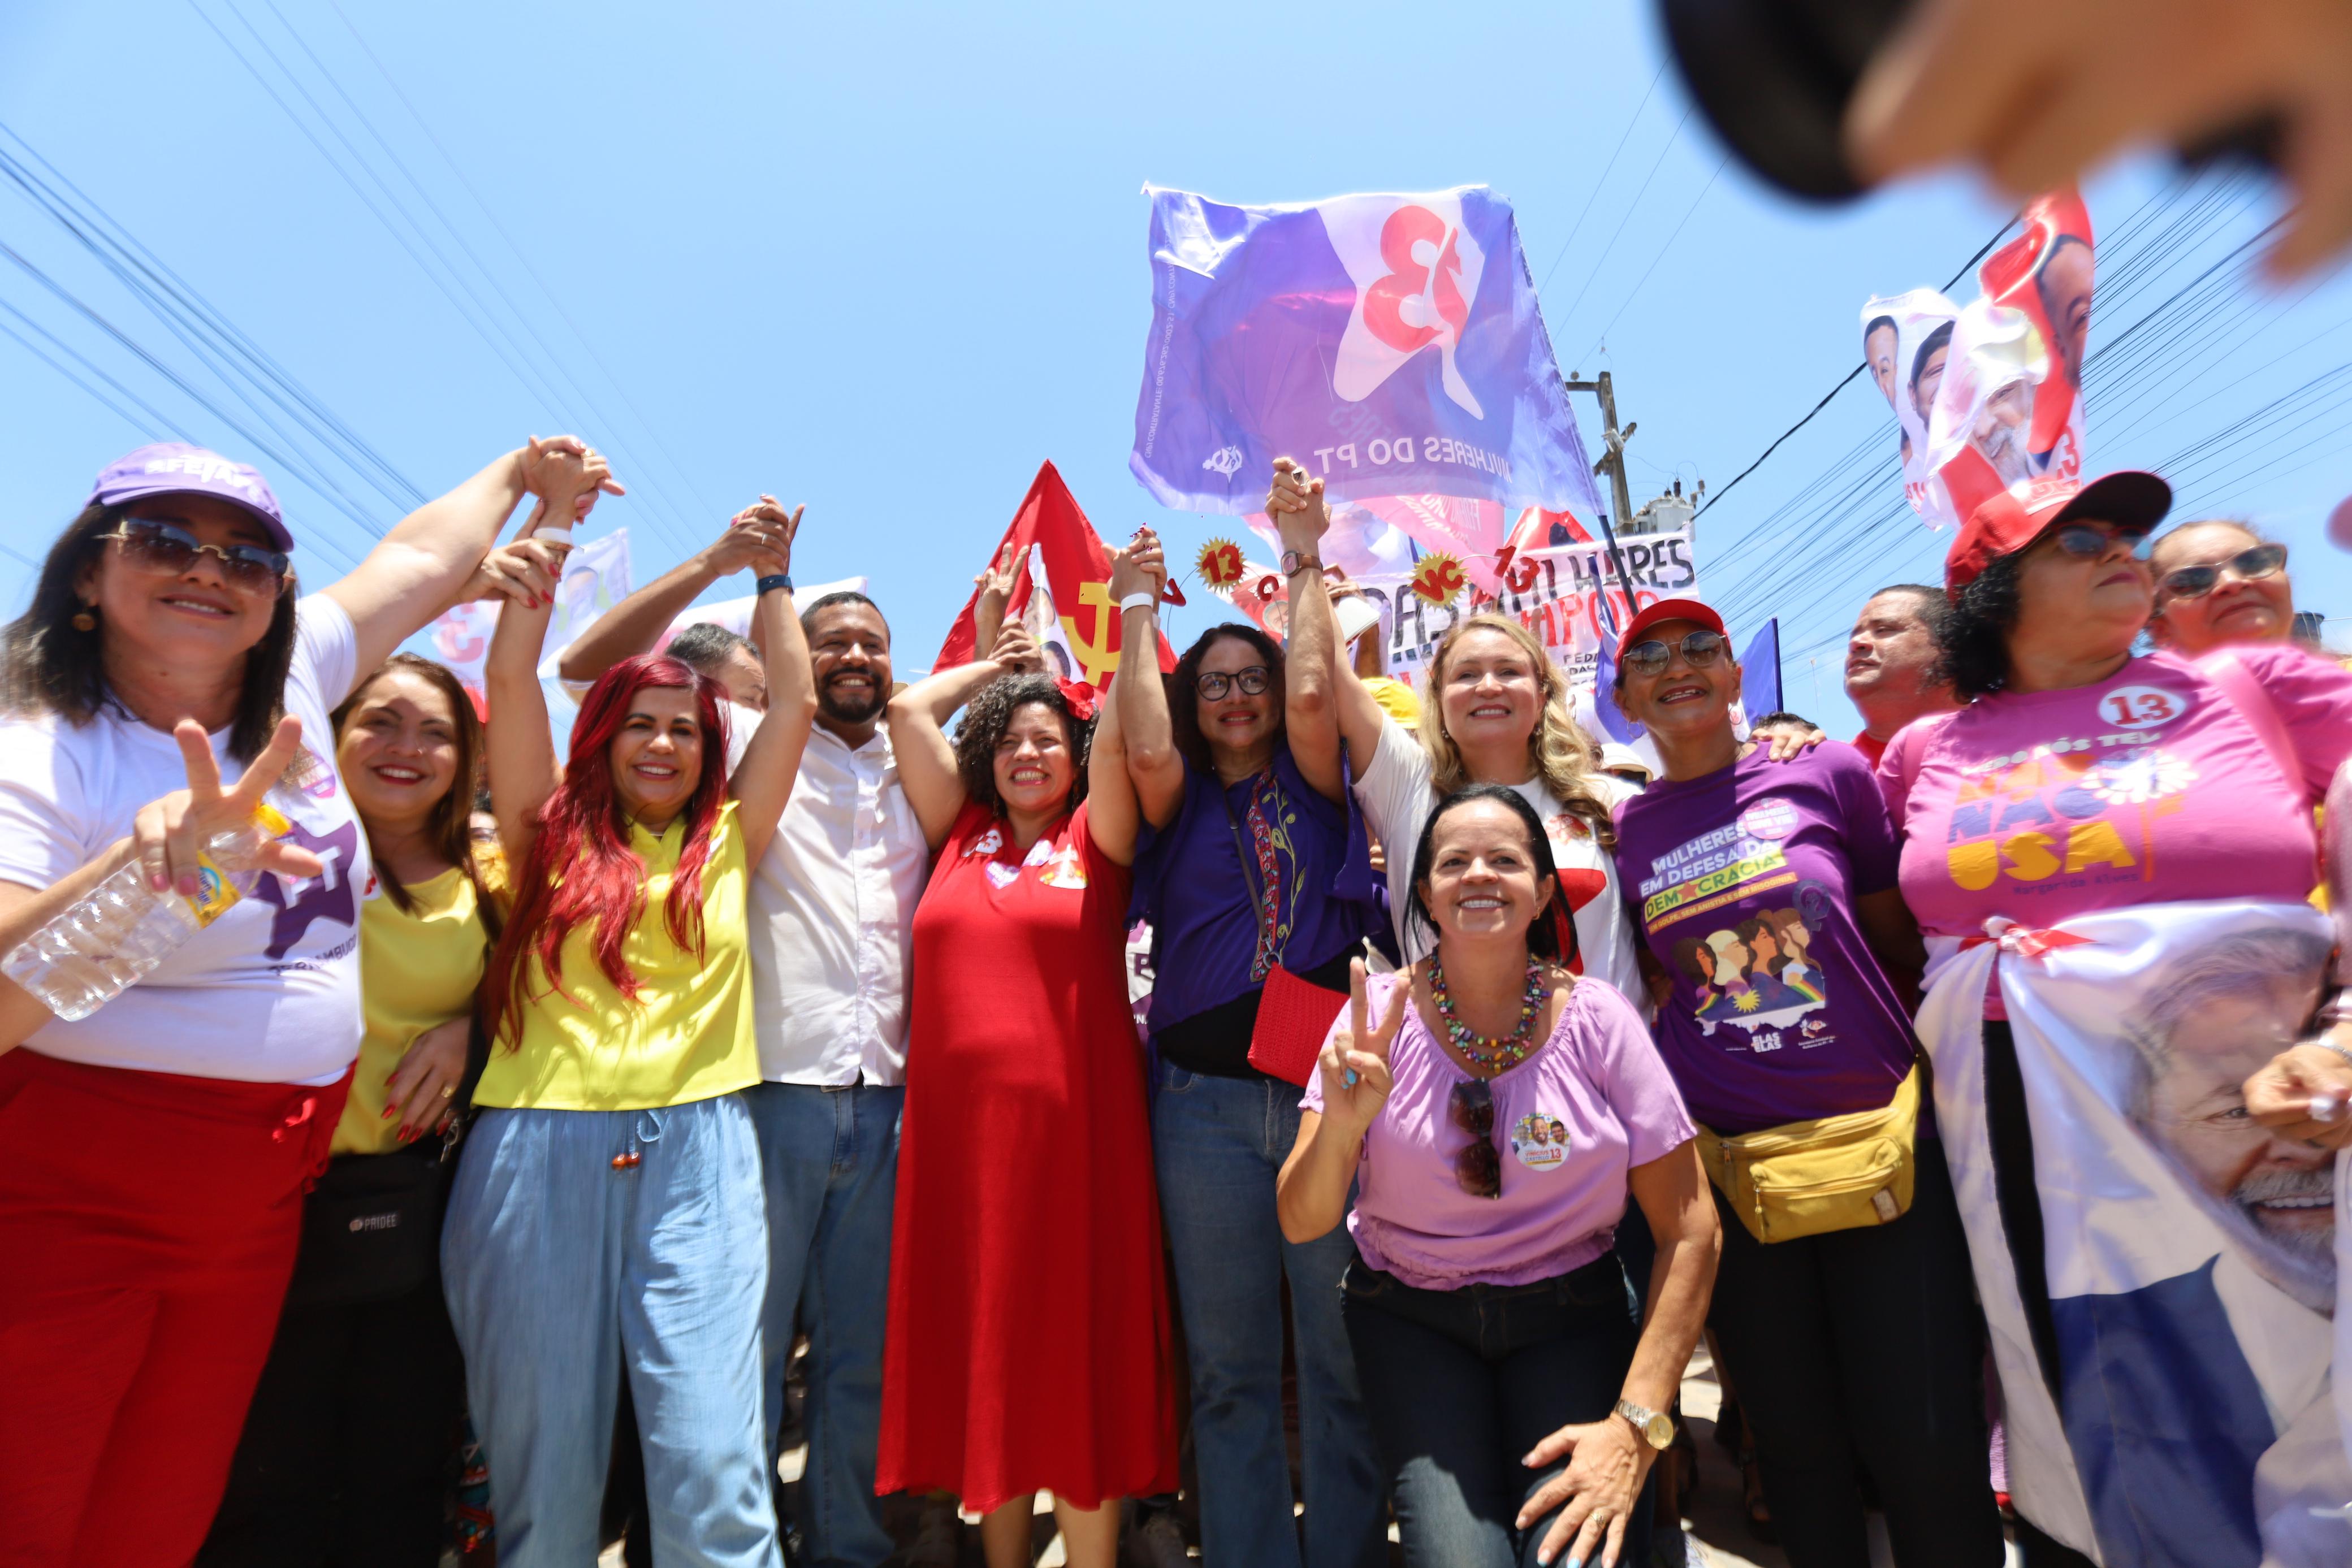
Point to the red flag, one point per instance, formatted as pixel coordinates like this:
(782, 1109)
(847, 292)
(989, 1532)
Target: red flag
(1078, 571)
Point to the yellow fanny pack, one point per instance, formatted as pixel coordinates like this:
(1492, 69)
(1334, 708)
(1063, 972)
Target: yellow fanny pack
(1834, 1173)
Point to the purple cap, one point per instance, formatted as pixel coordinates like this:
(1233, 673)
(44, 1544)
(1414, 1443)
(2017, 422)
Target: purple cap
(176, 468)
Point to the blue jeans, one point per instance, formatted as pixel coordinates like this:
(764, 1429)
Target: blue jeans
(830, 1158)
(1217, 1146)
(1461, 1384)
(562, 1270)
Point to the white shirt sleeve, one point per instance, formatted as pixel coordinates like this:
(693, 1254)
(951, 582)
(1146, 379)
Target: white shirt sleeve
(326, 655)
(741, 722)
(1393, 787)
(43, 829)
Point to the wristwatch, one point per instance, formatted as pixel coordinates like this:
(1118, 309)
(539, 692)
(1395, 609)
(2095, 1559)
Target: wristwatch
(1658, 1430)
(1293, 563)
(781, 580)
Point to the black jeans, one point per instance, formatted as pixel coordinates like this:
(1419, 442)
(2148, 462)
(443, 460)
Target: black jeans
(1864, 1346)
(1461, 1384)
(347, 1456)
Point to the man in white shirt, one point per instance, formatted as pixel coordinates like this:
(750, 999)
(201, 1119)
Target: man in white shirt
(832, 917)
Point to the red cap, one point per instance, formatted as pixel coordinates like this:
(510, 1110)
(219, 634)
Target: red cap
(2015, 518)
(1667, 610)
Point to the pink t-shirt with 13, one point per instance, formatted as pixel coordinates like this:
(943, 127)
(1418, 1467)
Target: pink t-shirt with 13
(1571, 1120)
(2148, 787)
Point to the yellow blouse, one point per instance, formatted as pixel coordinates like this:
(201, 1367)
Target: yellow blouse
(687, 1037)
(419, 968)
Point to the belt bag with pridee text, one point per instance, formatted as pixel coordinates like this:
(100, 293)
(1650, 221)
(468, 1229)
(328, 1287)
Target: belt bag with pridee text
(1833, 1173)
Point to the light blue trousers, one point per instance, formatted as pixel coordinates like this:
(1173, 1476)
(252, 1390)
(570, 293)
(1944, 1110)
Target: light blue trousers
(563, 1272)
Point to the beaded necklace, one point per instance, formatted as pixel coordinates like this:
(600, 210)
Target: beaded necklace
(1486, 1050)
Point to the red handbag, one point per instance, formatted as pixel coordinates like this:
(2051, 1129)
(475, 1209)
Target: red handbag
(1294, 1018)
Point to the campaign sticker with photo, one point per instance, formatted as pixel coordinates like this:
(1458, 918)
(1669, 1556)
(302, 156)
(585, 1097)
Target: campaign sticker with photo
(1770, 818)
(1540, 1141)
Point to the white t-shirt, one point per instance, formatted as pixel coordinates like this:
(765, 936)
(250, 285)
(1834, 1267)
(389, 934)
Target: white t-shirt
(833, 913)
(1397, 800)
(267, 993)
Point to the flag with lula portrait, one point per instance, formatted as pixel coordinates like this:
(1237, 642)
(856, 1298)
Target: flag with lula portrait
(1390, 342)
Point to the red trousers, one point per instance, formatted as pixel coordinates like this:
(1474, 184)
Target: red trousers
(148, 1227)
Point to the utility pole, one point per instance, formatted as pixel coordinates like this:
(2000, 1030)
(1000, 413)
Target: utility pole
(1611, 463)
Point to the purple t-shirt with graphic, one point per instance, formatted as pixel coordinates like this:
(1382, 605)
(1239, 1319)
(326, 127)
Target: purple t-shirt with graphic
(1571, 1120)
(1742, 885)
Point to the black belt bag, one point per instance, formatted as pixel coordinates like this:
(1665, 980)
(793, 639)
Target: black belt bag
(372, 1228)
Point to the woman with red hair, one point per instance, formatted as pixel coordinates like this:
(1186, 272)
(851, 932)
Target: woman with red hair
(608, 1213)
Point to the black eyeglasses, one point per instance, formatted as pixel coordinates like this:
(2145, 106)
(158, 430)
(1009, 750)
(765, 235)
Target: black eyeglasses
(2247, 566)
(164, 548)
(2089, 541)
(1214, 684)
(1478, 1168)
(1700, 649)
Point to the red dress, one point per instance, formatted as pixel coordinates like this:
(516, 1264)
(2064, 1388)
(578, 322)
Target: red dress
(1029, 1345)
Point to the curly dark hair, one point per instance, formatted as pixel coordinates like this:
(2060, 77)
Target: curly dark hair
(1184, 691)
(48, 667)
(991, 715)
(1974, 637)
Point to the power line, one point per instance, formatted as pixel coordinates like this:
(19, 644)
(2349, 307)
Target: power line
(1605, 171)
(610, 429)
(490, 214)
(1633, 207)
(1652, 270)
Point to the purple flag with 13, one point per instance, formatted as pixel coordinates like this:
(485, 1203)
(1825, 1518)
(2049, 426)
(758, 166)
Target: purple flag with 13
(1391, 343)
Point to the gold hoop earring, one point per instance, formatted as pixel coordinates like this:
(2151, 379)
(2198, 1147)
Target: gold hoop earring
(84, 620)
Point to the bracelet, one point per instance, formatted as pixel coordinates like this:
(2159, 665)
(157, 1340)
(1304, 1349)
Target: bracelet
(781, 580)
(1139, 601)
(2325, 1043)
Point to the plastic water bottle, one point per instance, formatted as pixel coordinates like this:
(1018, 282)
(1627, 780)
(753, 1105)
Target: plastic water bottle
(115, 936)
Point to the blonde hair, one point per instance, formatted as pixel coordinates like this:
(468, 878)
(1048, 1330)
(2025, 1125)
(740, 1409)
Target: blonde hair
(1562, 754)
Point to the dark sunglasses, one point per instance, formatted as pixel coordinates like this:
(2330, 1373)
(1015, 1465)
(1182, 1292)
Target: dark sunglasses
(1700, 649)
(2247, 566)
(1478, 1168)
(1214, 684)
(164, 548)
(2089, 541)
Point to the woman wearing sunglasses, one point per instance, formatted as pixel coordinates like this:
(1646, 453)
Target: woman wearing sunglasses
(1252, 877)
(2090, 805)
(160, 1146)
(1493, 1113)
(1784, 961)
(2218, 582)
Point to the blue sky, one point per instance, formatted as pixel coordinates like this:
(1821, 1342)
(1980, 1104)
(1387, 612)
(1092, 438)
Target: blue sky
(885, 258)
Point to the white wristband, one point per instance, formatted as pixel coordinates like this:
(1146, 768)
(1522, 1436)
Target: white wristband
(554, 535)
(1139, 601)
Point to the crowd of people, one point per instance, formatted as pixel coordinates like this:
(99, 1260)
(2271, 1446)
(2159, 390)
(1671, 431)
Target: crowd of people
(540, 1092)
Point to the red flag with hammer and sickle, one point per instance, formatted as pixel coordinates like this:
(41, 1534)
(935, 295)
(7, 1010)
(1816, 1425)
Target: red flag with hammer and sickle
(1077, 572)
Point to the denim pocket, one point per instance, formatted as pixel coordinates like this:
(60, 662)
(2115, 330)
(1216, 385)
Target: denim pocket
(1597, 1283)
(1366, 1283)
(1174, 1080)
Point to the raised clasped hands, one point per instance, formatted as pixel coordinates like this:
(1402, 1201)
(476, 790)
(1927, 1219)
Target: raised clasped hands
(759, 538)
(1014, 651)
(1140, 567)
(1294, 503)
(1354, 1060)
(567, 475)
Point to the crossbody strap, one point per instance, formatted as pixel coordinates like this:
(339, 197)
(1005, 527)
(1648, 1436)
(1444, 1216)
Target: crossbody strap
(2246, 694)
